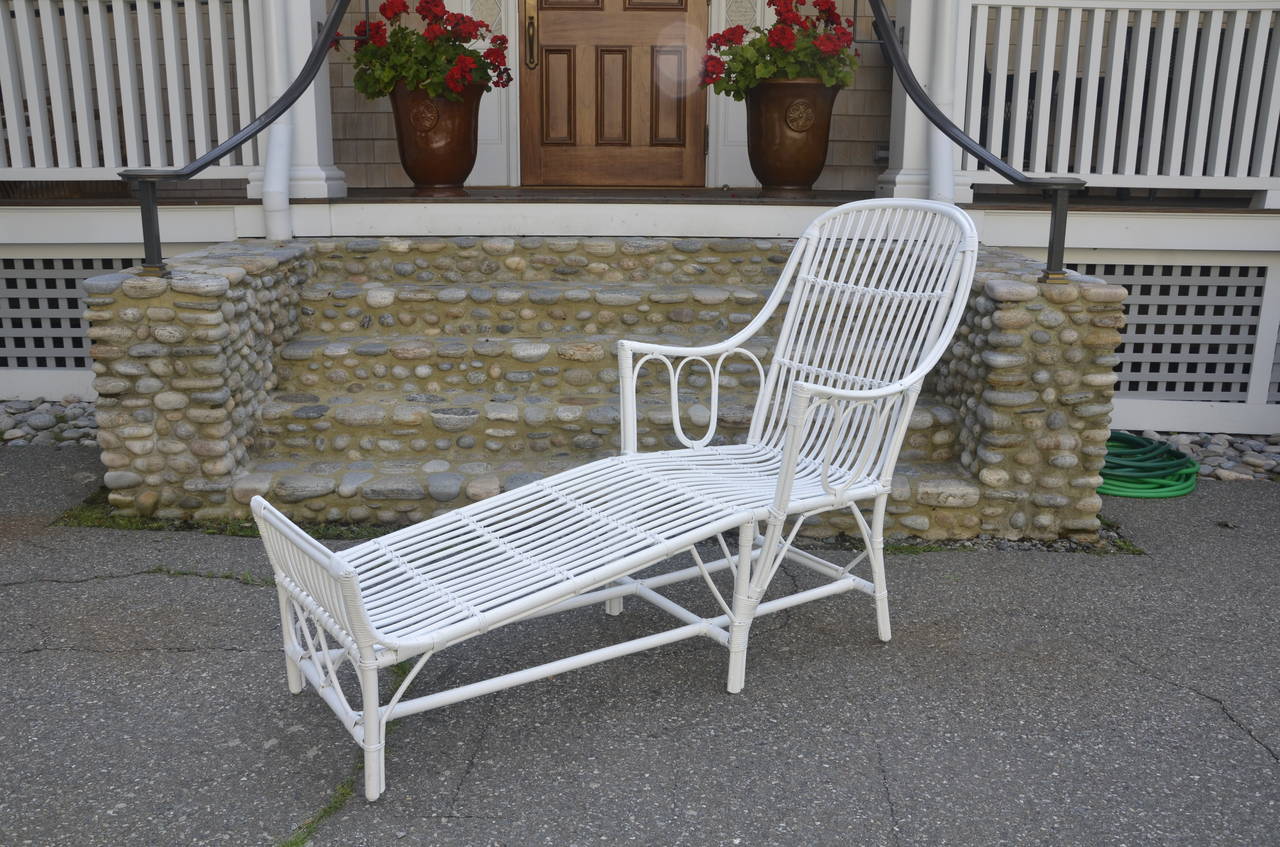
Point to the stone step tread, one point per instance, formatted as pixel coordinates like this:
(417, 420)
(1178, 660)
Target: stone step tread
(579, 347)
(378, 407)
(438, 483)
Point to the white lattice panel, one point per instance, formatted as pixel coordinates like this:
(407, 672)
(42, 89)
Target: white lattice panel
(40, 311)
(1191, 330)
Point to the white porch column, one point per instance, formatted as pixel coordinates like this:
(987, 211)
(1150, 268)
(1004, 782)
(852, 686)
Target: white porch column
(311, 172)
(922, 161)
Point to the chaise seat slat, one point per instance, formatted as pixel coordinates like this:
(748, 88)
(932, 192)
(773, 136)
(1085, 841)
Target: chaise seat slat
(478, 559)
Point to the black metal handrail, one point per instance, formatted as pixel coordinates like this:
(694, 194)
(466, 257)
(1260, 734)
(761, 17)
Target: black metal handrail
(144, 180)
(1059, 188)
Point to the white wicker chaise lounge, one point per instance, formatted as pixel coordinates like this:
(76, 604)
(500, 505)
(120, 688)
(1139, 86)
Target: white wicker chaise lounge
(876, 291)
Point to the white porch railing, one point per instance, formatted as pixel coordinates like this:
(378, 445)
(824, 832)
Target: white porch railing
(88, 87)
(1128, 94)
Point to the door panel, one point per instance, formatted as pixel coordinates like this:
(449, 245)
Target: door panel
(614, 98)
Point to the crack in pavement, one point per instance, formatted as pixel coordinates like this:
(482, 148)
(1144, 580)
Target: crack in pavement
(133, 650)
(244, 579)
(888, 795)
(475, 753)
(1221, 704)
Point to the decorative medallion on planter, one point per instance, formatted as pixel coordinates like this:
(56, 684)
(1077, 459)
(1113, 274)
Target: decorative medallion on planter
(800, 115)
(425, 115)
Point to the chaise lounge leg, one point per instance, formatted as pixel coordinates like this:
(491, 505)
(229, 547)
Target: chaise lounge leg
(875, 552)
(613, 606)
(292, 673)
(375, 733)
(744, 611)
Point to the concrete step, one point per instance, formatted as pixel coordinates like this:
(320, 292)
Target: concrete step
(932, 499)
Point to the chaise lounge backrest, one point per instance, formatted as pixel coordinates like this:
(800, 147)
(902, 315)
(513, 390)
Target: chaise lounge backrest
(876, 292)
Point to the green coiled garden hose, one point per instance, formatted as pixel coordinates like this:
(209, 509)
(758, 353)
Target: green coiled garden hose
(1140, 467)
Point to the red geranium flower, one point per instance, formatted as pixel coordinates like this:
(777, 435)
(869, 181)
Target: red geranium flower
(392, 9)
(494, 56)
(712, 69)
(828, 44)
(434, 31)
(786, 11)
(460, 74)
(782, 36)
(431, 10)
(467, 28)
(336, 44)
(729, 37)
(827, 11)
(371, 32)
(499, 41)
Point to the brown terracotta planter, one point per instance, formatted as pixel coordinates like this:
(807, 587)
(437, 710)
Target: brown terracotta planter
(437, 138)
(788, 122)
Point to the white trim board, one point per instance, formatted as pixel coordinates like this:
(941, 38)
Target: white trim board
(1195, 416)
(1027, 230)
(1023, 230)
(49, 383)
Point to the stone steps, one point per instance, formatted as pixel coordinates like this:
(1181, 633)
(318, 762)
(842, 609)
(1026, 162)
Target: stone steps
(374, 424)
(313, 362)
(931, 499)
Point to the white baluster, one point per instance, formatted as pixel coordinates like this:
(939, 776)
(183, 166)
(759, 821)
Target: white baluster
(32, 60)
(81, 84)
(1021, 88)
(979, 22)
(1243, 140)
(999, 78)
(1067, 93)
(1225, 97)
(244, 79)
(104, 65)
(1039, 153)
(1109, 129)
(1089, 80)
(220, 73)
(55, 68)
(1132, 125)
(1265, 163)
(11, 94)
(1179, 105)
(1202, 116)
(175, 82)
(197, 82)
(1156, 100)
(152, 94)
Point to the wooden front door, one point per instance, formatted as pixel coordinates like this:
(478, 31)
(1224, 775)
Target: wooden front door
(612, 97)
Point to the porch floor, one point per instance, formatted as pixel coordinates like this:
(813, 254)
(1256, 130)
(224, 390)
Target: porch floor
(226, 192)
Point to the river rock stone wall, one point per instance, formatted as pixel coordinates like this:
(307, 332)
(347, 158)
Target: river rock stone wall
(390, 379)
(184, 365)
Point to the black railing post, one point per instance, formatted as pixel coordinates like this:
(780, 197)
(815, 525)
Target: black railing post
(1053, 270)
(152, 252)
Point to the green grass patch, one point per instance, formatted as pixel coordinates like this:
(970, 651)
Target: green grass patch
(244, 577)
(912, 549)
(337, 800)
(96, 512)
